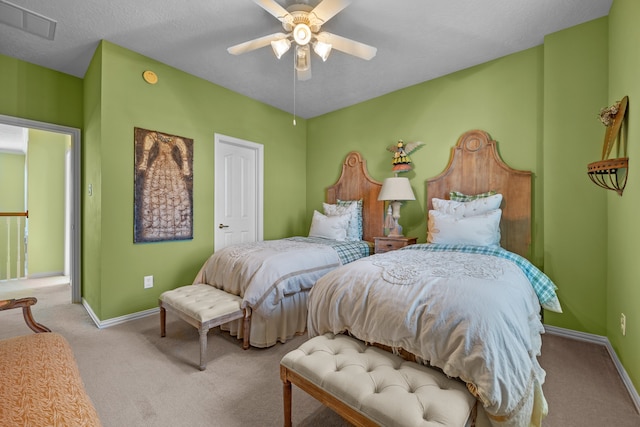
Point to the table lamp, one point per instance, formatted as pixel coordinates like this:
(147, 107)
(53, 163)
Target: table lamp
(395, 190)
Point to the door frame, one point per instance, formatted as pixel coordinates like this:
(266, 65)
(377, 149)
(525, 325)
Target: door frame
(220, 139)
(74, 215)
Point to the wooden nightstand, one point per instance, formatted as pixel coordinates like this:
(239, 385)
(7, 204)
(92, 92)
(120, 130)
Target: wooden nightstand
(386, 244)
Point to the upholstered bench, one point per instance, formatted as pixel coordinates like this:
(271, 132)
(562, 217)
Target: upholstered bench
(369, 386)
(204, 307)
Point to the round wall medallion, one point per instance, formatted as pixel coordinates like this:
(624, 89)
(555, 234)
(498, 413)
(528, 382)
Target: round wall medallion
(150, 77)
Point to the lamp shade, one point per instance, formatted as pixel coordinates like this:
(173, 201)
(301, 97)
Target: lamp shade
(396, 188)
(280, 47)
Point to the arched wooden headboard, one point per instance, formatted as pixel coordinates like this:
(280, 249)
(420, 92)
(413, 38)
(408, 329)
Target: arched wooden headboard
(476, 167)
(355, 184)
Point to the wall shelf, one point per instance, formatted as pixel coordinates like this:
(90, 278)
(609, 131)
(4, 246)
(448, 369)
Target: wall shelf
(607, 173)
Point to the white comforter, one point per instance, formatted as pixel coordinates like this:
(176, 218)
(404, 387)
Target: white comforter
(265, 272)
(474, 316)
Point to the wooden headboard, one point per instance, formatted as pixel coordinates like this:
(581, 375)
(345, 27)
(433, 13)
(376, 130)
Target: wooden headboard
(355, 184)
(476, 167)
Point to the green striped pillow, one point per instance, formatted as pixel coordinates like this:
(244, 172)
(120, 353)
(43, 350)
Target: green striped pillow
(460, 197)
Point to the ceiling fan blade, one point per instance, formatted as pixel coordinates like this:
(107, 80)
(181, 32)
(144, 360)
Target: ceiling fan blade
(349, 46)
(255, 43)
(327, 9)
(275, 9)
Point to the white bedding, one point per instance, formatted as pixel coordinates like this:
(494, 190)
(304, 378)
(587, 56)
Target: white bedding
(263, 273)
(475, 316)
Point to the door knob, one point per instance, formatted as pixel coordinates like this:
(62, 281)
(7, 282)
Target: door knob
(223, 226)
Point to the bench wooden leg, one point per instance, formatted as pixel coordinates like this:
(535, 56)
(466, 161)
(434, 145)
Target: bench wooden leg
(247, 327)
(163, 321)
(203, 347)
(286, 396)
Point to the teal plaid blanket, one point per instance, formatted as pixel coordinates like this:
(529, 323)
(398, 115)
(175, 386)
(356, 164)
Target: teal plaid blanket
(543, 286)
(347, 251)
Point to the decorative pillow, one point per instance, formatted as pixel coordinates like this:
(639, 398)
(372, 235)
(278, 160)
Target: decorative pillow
(479, 230)
(358, 215)
(460, 197)
(329, 227)
(466, 209)
(352, 208)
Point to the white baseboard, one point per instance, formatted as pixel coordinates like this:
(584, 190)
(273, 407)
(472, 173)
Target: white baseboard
(599, 339)
(117, 320)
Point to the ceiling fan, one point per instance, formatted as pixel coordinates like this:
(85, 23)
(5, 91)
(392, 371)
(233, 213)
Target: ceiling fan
(302, 24)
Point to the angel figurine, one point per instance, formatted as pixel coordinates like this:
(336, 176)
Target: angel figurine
(401, 160)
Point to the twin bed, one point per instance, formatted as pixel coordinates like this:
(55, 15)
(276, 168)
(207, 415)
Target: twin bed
(274, 277)
(468, 302)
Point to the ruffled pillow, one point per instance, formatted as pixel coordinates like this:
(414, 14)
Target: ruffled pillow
(466, 209)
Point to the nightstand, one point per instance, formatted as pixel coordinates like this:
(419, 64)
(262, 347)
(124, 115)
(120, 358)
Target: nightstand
(386, 244)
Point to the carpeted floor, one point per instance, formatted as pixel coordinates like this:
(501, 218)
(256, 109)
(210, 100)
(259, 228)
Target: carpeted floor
(135, 378)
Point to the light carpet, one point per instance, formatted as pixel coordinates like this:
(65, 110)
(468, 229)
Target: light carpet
(136, 378)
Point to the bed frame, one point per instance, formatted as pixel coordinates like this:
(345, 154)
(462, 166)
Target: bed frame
(355, 184)
(476, 167)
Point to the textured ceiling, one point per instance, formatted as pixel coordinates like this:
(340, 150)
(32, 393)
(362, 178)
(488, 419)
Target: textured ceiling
(417, 40)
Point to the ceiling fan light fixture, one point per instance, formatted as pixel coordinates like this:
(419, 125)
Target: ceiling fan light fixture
(322, 49)
(302, 58)
(302, 34)
(280, 47)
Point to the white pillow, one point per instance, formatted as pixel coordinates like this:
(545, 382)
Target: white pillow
(479, 230)
(347, 208)
(466, 209)
(329, 227)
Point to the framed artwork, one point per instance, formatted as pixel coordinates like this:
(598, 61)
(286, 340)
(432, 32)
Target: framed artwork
(163, 188)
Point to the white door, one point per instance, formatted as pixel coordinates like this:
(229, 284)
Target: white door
(238, 191)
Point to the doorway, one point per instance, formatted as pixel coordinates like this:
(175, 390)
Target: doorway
(72, 216)
(238, 188)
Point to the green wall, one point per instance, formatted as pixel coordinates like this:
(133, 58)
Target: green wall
(117, 100)
(40, 94)
(575, 89)
(46, 201)
(623, 285)
(503, 97)
(37, 93)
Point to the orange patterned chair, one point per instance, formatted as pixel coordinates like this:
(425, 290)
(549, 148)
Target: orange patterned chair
(41, 384)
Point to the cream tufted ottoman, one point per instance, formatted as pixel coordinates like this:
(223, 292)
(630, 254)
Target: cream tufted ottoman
(204, 307)
(369, 386)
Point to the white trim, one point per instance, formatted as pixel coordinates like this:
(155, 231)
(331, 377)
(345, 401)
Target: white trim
(601, 340)
(101, 324)
(76, 143)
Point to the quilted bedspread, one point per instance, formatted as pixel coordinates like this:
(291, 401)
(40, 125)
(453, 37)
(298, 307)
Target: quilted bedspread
(475, 316)
(263, 273)
(41, 384)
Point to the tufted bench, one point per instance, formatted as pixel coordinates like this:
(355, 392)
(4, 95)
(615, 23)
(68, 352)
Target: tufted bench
(369, 386)
(204, 307)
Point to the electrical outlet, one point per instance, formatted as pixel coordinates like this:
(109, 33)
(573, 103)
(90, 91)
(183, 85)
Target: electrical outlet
(623, 324)
(148, 282)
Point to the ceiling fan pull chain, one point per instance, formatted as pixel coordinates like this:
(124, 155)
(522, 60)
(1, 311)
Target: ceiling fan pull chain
(294, 90)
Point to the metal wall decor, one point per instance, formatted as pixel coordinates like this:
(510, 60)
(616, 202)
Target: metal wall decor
(611, 173)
